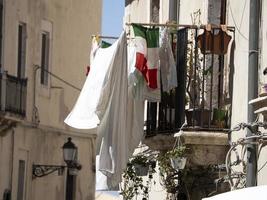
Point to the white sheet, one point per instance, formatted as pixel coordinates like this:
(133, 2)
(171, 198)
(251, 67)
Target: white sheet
(112, 112)
(104, 100)
(83, 114)
(122, 118)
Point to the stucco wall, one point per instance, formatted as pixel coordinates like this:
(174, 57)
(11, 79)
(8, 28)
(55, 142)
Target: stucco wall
(187, 9)
(44, 146)
(70, 24)
(263, 80)
(240, 18)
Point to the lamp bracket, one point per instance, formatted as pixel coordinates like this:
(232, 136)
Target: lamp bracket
(44, 170)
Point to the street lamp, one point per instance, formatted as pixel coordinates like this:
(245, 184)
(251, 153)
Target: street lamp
(69, 151)
(69, 155)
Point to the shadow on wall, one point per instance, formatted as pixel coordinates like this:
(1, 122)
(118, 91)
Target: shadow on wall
(63, 109)
(231, 73)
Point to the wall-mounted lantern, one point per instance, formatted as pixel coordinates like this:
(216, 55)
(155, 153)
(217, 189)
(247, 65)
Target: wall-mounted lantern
(69, 154)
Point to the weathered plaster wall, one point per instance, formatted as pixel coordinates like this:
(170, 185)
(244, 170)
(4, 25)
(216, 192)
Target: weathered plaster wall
(70, 24)
(187, 9)
(263, 80)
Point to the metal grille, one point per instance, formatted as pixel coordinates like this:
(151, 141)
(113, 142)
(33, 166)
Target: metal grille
(16, 90)
(203, 97)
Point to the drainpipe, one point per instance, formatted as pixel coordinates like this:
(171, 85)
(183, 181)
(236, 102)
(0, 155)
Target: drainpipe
(254, 20)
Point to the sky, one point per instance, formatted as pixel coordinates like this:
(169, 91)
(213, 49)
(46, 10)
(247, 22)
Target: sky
(112, 17)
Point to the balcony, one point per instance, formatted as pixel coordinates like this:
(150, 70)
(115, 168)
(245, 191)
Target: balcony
(13, 92)
(203, 96)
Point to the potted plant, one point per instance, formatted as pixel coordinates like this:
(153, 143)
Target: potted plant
(171, 163)
(220, 117)
(133, 184)
(176, 157)
(141, 165)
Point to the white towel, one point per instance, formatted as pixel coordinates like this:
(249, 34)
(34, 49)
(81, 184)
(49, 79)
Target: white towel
(167, 63)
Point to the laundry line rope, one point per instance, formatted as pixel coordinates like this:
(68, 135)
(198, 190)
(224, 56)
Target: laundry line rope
(59, 78)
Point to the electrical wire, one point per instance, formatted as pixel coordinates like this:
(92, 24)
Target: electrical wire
(232, 15)
(59, 78)
(263, 166)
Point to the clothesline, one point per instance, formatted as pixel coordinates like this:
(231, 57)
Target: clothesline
(180, 25)
(230, 28)
(105, 37)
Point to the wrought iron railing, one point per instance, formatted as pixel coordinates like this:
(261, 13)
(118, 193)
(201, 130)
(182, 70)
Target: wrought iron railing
(203, 96)
(13, 94)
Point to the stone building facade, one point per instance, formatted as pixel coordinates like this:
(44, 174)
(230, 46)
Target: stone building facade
(44, 53)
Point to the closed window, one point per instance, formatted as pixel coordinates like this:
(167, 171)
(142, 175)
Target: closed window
(21, 180)
(21, 50)
(45, 58)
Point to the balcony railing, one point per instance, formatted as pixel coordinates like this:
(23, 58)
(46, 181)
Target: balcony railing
(13, 94)
(203, 96)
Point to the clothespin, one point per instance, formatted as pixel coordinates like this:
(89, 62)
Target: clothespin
(224, 27)
(208, 27)
(95, 38)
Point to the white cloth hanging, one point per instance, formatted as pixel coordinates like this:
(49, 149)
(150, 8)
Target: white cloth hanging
(137, 84)
(122, 118)
(167, 62)
(119, 116)
(83, 114)
(112, 112)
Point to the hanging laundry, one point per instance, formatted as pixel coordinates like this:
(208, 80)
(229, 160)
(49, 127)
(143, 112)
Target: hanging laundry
(205, 40)
(105, 44)
(94, 47)
(147, 60)
(121, 126)
(210, 43)
(136, 81)
(83, 114)
(221, 41)
(147, 41)
(167, 63)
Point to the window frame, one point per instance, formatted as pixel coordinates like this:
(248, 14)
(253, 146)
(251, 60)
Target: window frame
(45, 57)
(21, 180)
(21, 50)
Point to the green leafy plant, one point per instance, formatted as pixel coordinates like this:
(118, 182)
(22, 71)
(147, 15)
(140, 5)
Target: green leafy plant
(176, 152)
(133, 183)
(169, 174)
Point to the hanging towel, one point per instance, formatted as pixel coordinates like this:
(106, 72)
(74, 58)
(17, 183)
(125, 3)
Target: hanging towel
(167, 63)
(112, 112)
(83, 114)
(147, 60)
(122, 119)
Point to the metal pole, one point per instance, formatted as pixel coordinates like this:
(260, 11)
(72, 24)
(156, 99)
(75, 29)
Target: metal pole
(252, 86)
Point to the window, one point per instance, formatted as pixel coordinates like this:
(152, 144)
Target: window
(21, 180)
(21, 50)
(154, 14)
(45, 58)
(217, 11)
